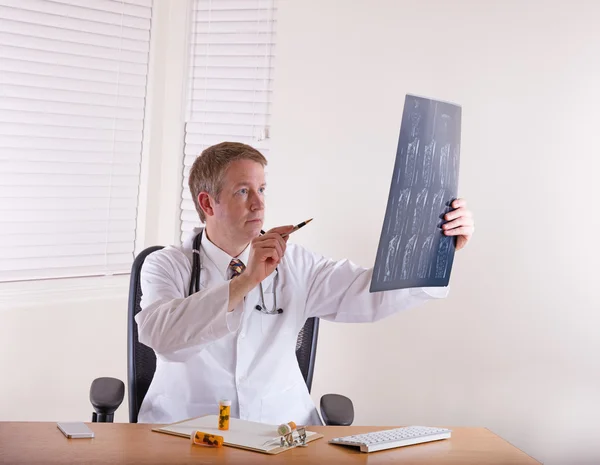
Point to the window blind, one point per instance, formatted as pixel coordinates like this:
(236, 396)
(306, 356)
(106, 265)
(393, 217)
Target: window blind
(230, 85)
(72, 92)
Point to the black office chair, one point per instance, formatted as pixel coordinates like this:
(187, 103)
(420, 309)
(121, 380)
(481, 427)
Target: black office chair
(106, 394)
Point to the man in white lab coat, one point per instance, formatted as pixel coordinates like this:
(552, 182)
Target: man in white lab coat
(215, 344)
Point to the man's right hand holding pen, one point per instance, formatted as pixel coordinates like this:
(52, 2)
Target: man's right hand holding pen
(268, 249)
(266, 253)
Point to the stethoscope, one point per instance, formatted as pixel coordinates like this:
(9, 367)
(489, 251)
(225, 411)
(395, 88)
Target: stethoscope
(195, 280)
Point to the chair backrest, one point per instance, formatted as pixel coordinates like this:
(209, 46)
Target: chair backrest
(141, 360)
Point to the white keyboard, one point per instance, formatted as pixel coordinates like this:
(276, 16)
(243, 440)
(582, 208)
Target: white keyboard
(398, 437)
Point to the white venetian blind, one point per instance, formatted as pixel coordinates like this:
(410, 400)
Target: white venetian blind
(72, 93)
(230, 81)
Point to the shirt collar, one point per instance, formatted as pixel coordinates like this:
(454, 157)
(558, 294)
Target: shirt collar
(220, 258)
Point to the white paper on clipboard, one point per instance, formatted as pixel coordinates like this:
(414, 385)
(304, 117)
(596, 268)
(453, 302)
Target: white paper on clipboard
(244, 434)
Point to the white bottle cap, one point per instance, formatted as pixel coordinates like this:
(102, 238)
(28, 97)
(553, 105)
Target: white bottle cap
(225, 402)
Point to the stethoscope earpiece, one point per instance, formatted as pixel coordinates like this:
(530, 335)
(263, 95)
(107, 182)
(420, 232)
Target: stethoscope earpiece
(260, 309)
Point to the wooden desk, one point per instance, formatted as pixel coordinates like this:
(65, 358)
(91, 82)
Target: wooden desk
(123, 443)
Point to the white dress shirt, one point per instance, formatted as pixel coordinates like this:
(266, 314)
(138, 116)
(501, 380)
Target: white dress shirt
(205, 353)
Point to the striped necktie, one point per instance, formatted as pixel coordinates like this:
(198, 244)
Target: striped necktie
(237, 268)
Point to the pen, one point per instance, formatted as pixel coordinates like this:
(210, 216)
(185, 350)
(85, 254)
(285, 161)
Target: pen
(304, 223)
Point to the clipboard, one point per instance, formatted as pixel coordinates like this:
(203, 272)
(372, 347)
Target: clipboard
(242, 434)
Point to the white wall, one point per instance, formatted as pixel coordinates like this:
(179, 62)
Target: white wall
(514, 347)
(55, 341)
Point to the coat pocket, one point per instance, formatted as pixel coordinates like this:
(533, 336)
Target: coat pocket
(271, 323)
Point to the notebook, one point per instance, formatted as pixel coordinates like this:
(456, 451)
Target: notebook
(243, 434)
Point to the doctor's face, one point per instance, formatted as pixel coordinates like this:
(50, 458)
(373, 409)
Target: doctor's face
(240, 210)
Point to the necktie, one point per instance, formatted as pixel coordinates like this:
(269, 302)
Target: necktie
(237, 268)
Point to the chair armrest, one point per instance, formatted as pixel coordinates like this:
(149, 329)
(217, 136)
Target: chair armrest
(106, 394)
(337, 410)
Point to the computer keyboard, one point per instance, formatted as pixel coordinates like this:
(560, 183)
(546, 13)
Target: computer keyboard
(397, 437)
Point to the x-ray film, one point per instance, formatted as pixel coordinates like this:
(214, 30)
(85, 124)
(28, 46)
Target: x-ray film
(413, 251)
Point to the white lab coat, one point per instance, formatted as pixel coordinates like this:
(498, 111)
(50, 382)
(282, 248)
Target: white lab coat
(205, 353)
